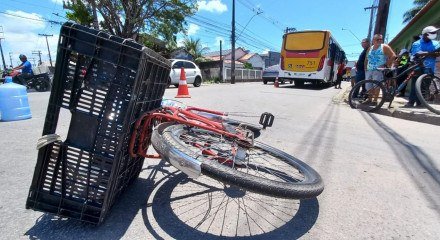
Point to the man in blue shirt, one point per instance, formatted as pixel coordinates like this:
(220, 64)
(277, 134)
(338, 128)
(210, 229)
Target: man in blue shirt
(360, 68)
(425, 47)
(26, 70)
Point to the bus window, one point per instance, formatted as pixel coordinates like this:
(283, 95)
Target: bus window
(305, 41)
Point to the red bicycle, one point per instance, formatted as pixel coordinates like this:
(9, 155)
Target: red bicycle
(201, 141)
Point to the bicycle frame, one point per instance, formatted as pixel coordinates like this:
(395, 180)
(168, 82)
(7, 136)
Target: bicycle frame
(143, 126)
(386, 81)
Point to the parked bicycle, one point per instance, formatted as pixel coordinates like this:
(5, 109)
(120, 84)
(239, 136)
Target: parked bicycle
(379, 92)
(428, 92)
(201, 141)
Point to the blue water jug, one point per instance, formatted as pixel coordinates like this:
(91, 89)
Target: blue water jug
(14, 103)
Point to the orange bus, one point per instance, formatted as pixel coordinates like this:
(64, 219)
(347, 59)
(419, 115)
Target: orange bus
(310, 56)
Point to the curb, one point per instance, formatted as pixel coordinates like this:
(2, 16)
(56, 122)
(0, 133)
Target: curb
(422, 115)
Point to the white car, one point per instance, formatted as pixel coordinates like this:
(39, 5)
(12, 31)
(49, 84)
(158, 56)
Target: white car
(192, 72)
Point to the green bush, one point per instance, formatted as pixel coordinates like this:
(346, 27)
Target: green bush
(213, 80)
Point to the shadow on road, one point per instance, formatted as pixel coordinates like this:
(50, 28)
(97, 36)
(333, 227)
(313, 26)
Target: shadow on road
(206, 209)
(307, 86)
(413, 159)
(183, 208)
(49, 226)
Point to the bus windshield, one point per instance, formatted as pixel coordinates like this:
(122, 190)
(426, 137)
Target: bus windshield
(304, 41)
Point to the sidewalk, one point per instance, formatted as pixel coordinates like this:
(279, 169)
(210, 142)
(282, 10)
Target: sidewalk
(413, 114)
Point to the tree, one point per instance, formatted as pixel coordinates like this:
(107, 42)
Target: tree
(411, 13)
(195, 48)
(79, 13)
(127, 18)
(247, 65)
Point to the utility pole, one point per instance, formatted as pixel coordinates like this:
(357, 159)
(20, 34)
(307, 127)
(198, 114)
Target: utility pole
(47, 42)
(372, 8)
(233, 44)
(10, 57)
(221, 62)
(382, 17)
(39, 56)
(1, 48)
(33, 60)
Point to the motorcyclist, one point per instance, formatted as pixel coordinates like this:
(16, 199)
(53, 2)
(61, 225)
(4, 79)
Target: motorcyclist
(26, 70)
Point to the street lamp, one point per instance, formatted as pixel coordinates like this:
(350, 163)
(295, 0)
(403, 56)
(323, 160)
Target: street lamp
(345, 29)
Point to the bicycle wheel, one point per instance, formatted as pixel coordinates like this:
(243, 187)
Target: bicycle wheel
(427, 89)
(262, 169)
(250, 126)
(369, 100)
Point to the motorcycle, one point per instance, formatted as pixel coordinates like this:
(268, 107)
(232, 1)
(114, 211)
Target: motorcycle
(39, 82)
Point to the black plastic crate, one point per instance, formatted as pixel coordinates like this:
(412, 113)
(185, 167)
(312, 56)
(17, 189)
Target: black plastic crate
(106, 82)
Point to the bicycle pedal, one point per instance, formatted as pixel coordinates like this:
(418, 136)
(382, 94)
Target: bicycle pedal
(266, 119)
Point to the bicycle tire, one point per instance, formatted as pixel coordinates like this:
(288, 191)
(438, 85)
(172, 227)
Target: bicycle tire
(275, 182)
(429, 94)
(360, 101)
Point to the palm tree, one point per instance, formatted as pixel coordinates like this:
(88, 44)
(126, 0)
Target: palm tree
(418, 5)
(195, 48)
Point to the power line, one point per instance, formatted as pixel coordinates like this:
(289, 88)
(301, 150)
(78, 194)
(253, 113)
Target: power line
(35, 5)
(224, 28)
(248, 4)
(225, 33)
(33, 19)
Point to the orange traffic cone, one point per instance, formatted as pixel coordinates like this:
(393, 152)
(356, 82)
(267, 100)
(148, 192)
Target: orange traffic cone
(182, 92)
(276, 84)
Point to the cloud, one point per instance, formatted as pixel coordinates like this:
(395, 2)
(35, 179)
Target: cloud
(60, 2)
(217, 41)
(265, 51)
(23, 20)
(212, 6)
(24, 39)
(192, 29)
(180, 42)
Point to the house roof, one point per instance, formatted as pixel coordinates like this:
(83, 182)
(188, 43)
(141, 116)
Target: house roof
(214, 58)
(217, 53)
(224, 52)
(246, 57)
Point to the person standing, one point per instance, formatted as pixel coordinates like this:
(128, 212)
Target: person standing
(339, 74)
(353, 75)
(360, 68)
(425, 47)
(379, 55)
(402, 62)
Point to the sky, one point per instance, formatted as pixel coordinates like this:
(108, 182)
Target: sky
(259, 24)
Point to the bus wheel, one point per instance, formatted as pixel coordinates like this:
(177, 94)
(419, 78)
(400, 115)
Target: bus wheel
(299, 83)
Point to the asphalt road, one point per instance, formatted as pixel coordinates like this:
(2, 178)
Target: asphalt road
(381, 177)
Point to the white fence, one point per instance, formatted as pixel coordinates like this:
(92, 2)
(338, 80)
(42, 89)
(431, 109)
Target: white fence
(242, 74)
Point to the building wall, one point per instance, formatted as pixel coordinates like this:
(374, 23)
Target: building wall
(430, 15)
(273, 59)
(256, 61)
(404, 39)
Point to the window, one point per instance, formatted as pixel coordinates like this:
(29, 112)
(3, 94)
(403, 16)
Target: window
(178, 64)
(305, 41)
(188, 65)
